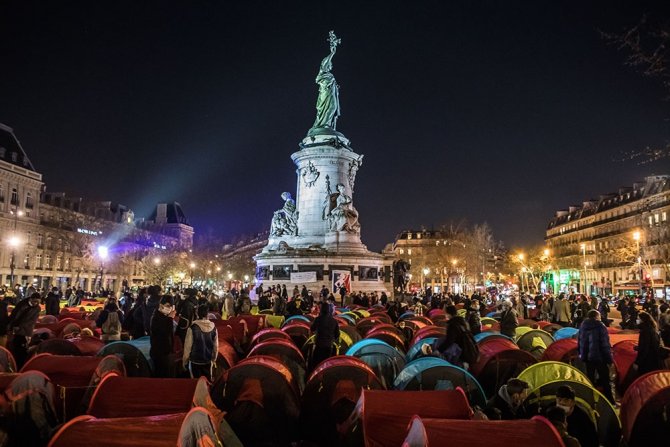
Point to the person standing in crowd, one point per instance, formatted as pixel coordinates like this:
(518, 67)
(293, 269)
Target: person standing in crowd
(229, 304)
(153, 298)
(162, 338)
(579, 424)
(52, 302)
(604, 309)
(110, 321)
(327, 332)
(649, 346)
(664, 326)
(596, 352)
(474, 318)
(561, 311)
(186, 311)
(4, 319)
(507, 404)
(201, 346)
(508, 319)
(135, 318)
(20, 326)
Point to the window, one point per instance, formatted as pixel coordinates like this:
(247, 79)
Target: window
(67, 263)
(664, 216)
(15, 197)
(67, 247)
(47, 261)
(409, 235)
(38, 261)
(49, 243)
(40, 240)
(59, 244)
(59, 262)
(15, 156)
(2, 194)
(418, 235)
(29, 235)
(409, 251)
(26, 261)
(402, 251)
(651, 221)
(657, 218)
(29, 200)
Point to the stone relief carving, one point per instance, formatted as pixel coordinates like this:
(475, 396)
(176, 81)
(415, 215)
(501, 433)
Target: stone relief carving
(339, 211)
(354, 165)
(285, 220)
(310, 175)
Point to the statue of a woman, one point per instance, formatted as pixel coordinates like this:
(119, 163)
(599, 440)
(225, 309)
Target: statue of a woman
(344, 216)
(328, 102)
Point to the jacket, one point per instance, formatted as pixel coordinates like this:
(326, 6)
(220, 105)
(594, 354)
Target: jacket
(201, 344)
(594, 342)
(162, 335)
(52, 304)
(561, 311)
(327, 331)
(648, 349)
(500, 407)
(23, 319)
(149, 309)
(508, 323)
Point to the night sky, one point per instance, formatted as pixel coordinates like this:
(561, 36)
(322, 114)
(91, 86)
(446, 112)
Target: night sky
(500, 112)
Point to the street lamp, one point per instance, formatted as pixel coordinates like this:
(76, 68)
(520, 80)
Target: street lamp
(583, 247)
(425, 272)
(636, 238)
(14, 242)
(103, 252)
(157, 261)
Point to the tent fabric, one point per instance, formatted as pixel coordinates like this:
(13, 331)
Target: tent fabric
(621, 336)
(428, 331)
(476, 433)
(288, 354)
(266, 334)
(275, 321)
(500, 359)
(433, 312)
(7, 362)
(227, 357)
(432, 373)
(544, 372)
(366, 324)
(109, 365)
(563, 350)
(589, 400)
(118, 397)
(535, 342)
(299, 333)
(385, 360)
(566, 332)
(47, 319)
(57, 328)
(69, 374)
(87, 345)
(643, 407)
(520, 330)
(254, 323)
(192, 429)
(384, 414)
(414, 352)
(352, 332)
(336, 383)
(33, 416)
(388, 336)
(57, 346)
(491, 334)
(624, 355)
(135, 355)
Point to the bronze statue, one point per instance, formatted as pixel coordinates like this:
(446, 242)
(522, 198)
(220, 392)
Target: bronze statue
(328, 102)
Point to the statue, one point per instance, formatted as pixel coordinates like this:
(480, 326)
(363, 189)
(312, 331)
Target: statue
(328, 102)
(310, 175)
(285, 220)
(339, 210)
(400, 272)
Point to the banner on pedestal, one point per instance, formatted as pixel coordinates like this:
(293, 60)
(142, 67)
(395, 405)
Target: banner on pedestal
(341, 278)
(303, 277)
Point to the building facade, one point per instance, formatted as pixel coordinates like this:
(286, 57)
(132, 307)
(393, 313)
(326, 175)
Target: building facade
(50, 239)
(618, 243)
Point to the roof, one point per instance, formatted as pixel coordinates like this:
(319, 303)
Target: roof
(11, 150)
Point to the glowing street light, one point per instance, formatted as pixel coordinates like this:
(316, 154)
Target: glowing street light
(103, 253)
(546, 252)
(636, 237)
(157, 261)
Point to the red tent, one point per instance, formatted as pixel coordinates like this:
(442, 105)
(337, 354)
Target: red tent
(140, 396)
(267, 334)
(563, 350)
(446, 432)
(384, 414)
(428, 331)
(254, 323)
(500, 359)
(621, 336)
(298, 330)
(364, 325)
(7, 362)
(225, 331)
(192, 429)
(624, 355)
(287, 353)
(644, 408)
(57, 328)
(389, 336)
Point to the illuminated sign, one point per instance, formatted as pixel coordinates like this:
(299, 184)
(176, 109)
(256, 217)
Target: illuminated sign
(90, 232)
(162, 247)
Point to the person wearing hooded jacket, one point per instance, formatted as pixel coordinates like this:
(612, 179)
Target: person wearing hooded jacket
(596, 352)
(201, 346)
(151, 305)
(508, 320)
(186, 309)
(327, 332)
(649, 345)
(21, 324)
(162, 338)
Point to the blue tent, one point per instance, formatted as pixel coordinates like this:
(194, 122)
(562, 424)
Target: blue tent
(407, 314)
(433, 373)
(134, 354)
(384, 359)
(415, 350)
(482, 335)
(297, 317)
(566, 332)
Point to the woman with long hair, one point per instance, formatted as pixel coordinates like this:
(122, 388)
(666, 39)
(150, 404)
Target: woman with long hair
(649, 345)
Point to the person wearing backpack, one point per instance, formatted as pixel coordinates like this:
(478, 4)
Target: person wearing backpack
(201, 346)
(186, 311)
(110, 321)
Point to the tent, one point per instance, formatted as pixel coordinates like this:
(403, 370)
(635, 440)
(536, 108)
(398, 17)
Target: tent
(564, 350)
(352, 332)
(428, 331)
(266, 334)
(294, 318)
(500, 359)
(331, 394)
(57, 346)
(535, 342)
(491, 334)
(565, 332)
(260, 398)
(298, 331)
(194, 428)
(385, 360)
(86, 344)
(644, 409)
(275, 320)
(520, 330)
(7, 362)
(624, 354)
(57, 328)
(545, 372)
(32, 414)
(134, 354)
(71, 375)
(389, 336)
(383, 415)
(490, 324)
(588, 399)
(414, 352)
(624, 335)
(288, 354)
(344, 343)
(432, 373)
(445, 432)
(433, 312)
(364, 325)
(118, 397)
(227, 357)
